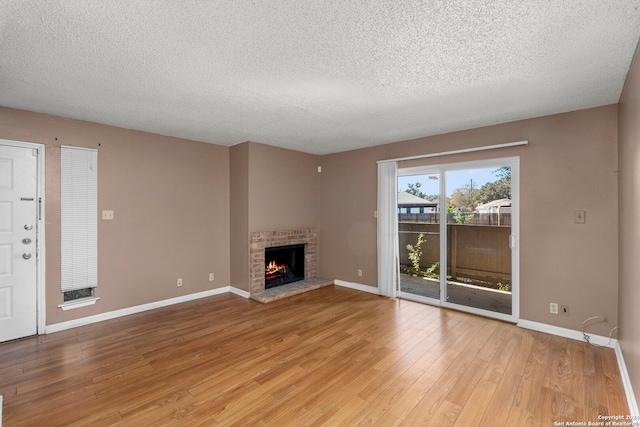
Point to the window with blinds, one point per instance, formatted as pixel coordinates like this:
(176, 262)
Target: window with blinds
(79, 221)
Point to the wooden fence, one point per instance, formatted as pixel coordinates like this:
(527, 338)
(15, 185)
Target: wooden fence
(471, 218)
(478, 252)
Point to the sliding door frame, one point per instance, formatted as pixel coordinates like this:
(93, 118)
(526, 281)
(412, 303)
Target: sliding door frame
(514, 240)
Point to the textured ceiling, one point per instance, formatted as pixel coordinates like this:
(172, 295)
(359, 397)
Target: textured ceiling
(318, 76)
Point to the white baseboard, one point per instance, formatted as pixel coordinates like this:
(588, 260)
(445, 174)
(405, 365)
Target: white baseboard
(239, 292)
(594, 339)
(566, 333)
(357, 286)
(56, 327)
(626, 381)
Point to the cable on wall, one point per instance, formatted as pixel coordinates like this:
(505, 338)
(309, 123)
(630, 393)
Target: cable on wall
(587, 337)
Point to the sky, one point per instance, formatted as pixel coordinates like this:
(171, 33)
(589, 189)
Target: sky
(454, 179)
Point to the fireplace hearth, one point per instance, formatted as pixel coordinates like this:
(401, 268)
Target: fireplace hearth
(260, 241)
(283, 264)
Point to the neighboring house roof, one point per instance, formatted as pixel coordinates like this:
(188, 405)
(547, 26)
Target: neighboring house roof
(407, 200)
(499, 203)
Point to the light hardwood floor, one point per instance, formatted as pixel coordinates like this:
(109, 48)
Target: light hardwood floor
(331, 357)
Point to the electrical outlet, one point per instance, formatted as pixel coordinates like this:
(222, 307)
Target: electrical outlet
(359, 273)
(564, 310)
(579, 217)
(211, 277)
(179, 282)
(553, 308)
(107, 214)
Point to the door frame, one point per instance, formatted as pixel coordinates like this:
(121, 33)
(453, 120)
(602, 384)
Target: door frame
(514, 239)
(40, 230)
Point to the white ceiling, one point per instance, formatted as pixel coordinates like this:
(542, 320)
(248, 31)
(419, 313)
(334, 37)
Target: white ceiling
(318, 76)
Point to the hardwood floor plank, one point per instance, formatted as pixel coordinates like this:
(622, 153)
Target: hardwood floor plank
(426, 409)
(533, 376)
(98, 420)
(505, 396)
(345, 416)
(467, 382)
(332, 356)
(445, 415)
(501, 358)
(373, 414)
(474, 408)
(518, 361)
(556, 364)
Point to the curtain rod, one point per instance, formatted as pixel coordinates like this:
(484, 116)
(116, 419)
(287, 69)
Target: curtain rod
(465, 150)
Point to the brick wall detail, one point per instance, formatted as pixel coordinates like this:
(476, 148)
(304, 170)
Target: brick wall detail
(259, 240)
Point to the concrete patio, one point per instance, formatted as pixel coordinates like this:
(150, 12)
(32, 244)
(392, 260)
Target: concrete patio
(458, 293)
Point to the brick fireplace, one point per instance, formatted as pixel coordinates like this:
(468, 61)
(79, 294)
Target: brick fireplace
(260, 240)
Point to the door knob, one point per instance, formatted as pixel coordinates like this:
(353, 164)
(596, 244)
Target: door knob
(26, 241)
(26, 255)
(28, 226)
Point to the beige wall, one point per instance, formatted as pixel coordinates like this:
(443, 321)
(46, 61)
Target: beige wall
(283, 188)
(629, 301)
(271, 189)
(239, 206)
(570, 164)
(171, 203)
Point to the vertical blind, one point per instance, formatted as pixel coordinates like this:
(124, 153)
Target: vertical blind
(79, 218)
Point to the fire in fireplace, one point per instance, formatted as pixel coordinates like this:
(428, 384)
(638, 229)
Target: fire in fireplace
(283, 264)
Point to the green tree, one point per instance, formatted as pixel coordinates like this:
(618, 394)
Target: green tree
(499, 189)
(463, 198)
(458, 217)
(415, 190)
(503, 172)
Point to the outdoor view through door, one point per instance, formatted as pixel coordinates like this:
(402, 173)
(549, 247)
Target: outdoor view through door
(455, 235)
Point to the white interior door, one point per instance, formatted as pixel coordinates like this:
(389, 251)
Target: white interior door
(18, 233)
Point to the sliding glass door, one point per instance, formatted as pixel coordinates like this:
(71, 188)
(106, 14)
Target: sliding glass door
(457, 229)
(419, 236)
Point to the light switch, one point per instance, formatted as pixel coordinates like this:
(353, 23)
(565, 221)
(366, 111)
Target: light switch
(579, 217)
(107, 214)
